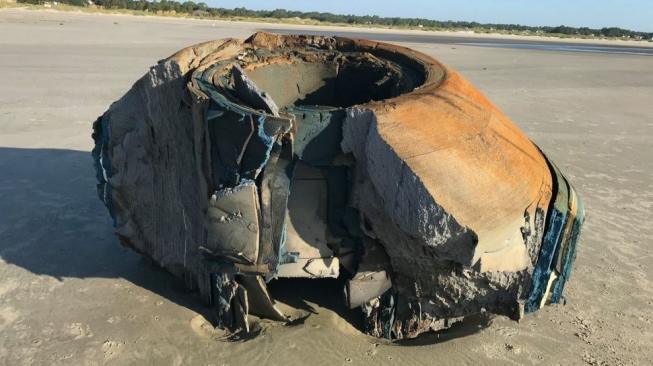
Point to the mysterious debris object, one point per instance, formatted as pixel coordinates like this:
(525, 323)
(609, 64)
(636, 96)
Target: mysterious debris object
(236, 162)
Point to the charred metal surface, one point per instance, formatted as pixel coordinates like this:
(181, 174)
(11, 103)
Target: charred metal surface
(233, 163)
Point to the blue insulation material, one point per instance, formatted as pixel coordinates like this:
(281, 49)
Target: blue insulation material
(255, 149)
(542, 270)
(257, 152)
(568, 261)
(268, 141)
(230, 134)
(558, 249)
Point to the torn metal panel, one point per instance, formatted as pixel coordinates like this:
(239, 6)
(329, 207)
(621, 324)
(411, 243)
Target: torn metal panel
(289, 83)
(233, 227)
(275, 189)
(317, 267)
(318, 134)
(247, 91)
(259, 300)
(231, 133)
(236, 162)
(306, 227)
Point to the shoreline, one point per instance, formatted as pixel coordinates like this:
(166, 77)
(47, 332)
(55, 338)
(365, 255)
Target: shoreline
(325, 27)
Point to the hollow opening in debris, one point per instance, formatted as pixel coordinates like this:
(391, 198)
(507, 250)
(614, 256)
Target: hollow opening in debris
(342, 81)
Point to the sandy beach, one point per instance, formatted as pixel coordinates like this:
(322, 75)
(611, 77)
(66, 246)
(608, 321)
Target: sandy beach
(71, 295)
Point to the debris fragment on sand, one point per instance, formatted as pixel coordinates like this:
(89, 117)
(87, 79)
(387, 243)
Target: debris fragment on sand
(235, 162)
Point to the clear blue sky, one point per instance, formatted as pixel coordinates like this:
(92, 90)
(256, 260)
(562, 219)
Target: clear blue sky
(631, 14)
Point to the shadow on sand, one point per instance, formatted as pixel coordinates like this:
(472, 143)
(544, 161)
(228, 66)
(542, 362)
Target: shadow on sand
(52, 223)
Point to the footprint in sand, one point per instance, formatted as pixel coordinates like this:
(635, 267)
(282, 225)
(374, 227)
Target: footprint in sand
(79, 330)
(111, 349)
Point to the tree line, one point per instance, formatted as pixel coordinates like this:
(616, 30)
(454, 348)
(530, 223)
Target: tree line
(203, 10)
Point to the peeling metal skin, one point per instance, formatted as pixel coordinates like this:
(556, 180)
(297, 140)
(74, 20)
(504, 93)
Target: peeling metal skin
(235, 162)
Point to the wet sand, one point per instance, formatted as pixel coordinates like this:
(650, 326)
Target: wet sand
(71, 295)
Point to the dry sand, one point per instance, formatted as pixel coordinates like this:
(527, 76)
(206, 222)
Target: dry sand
(70, 295)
